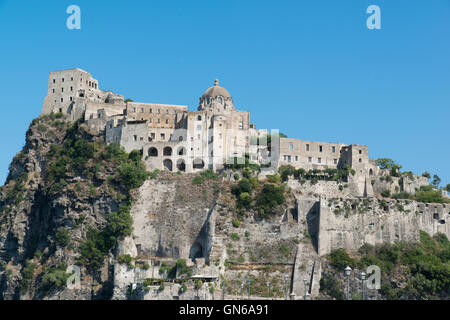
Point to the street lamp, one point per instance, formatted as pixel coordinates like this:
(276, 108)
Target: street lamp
(347, 272)
(305, 281)
(248, 283)
(285, 286)
(363, 279)
(267, 284)
(242, 291)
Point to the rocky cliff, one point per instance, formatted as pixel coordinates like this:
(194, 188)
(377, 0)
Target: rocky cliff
(70, 201)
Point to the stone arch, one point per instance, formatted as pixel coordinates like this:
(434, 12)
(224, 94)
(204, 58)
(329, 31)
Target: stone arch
(371, 172)
(181, 165)
(198, 163)
(167, 164)
(167, 151)
(181, 151)
(152, 152)
(196, 250)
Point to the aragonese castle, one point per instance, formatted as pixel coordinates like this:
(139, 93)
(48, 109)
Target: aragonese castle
(337, 198)
(175, 139)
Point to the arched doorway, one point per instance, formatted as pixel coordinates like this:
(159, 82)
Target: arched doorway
(152, 152)
(181, 165)
(196, 251)
(198, 163)
(167, 164)
(167, 151)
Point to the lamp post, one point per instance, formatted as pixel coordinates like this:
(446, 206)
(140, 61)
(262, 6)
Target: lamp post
(347, 272)
(285, 286)
(305, 281)
(248, 287)
(363, 279)
(242, 291)
(267, 284)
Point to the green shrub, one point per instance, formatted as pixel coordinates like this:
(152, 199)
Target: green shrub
(273, 178)
(234, 237)
(339, 259)
(62, 236)
(269, 198)
(125, 259)
(56, 278)
(386, 193)
(197, 180)
(132, 174)
(331, 286)
(235, 223)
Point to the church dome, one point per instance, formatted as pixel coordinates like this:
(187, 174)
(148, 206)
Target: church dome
(216, 91)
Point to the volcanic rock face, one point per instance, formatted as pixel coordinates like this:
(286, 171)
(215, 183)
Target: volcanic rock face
(70, 200)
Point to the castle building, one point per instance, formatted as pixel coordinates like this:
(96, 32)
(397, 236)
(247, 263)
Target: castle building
(173, 138)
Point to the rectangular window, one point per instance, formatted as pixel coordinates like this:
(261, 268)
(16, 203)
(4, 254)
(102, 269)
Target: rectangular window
(284, 157)
(134, 109)
(71, 99)
(307, 147)
(167, 121)
(159, 120)
(53, 90)
(333, 149)
(62, 79)
(135, 137)
(198, 137)
(152, 135)
(199, 127)
(289, 158)
(320, 148)
(71, 78)
(150, 120)
(167, 111)
(142, 110)
(151, 110)
(319, 160)
(309, 159)
(163, 136)
(335, 161)
(54, 80)
(296, 158)
(291, 146)
(159, 111)
(62, 89)
(71, 88)
(62, 100)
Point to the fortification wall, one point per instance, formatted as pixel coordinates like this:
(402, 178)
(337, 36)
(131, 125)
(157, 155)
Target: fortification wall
(349, 223)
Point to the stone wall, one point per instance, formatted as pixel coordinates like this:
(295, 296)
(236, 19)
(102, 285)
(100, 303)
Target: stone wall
(349, 223)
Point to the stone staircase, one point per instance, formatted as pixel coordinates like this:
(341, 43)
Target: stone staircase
(307, 265)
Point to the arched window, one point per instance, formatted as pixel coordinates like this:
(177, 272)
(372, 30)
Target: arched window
(181, 165)
(152, 152)
(199, 118)
(198, 163)
(220, 100)
(167, 164)
(167, 151)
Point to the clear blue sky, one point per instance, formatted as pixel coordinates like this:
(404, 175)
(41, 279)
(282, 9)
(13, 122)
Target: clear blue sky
(309, 68)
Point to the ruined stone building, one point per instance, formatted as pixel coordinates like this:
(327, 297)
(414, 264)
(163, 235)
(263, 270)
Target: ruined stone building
(173, 138)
